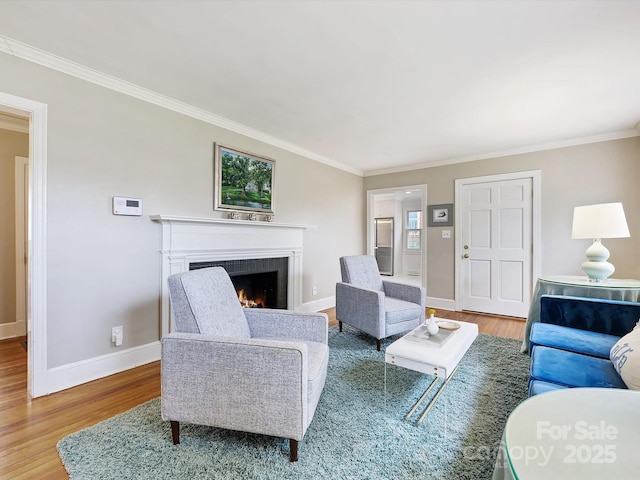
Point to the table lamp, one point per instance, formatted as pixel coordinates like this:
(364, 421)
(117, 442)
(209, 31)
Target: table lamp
(605, 220)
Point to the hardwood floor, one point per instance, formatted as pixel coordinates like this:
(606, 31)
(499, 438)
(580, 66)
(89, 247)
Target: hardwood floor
(30, 430)
(508, 327)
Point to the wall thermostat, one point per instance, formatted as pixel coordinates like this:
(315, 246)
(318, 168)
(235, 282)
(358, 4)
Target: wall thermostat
(127, 206)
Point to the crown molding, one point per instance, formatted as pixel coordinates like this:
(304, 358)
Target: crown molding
(26, 52)
(46, 59)
(635, 132)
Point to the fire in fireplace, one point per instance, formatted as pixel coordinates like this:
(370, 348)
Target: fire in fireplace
(259, 282)
(257, 290)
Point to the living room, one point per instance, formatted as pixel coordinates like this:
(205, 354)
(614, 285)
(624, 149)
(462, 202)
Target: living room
(100, 136)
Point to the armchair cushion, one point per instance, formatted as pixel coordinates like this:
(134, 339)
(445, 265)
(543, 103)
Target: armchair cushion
(361, 271)
(397, 311)
(213, 302)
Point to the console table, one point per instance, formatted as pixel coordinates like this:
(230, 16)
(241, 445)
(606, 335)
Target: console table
(574, 433)
(578, 286)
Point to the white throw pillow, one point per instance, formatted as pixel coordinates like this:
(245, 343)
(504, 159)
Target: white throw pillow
(625, 355)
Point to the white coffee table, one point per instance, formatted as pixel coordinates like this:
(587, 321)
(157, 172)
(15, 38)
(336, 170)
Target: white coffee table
(440, 361)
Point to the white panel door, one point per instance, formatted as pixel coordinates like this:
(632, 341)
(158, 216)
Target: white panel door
(497, 247)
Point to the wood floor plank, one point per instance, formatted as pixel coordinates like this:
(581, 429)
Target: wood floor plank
(30, 430)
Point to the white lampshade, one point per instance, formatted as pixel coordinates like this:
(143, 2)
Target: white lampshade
(605, 220)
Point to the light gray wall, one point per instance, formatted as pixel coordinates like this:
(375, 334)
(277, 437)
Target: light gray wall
(104, 270)
(12, 144)
(581, 175)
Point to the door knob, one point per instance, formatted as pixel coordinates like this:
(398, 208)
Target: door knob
(466, 255)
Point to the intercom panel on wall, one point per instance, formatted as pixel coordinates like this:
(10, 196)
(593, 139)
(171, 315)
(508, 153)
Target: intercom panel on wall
(127, 206)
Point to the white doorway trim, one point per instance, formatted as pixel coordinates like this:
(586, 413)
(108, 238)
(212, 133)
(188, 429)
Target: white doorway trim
(370, 230)
(36, 241)
(536, 228)
(21, 204)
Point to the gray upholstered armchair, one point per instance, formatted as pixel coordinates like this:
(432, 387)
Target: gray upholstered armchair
(377, 307)
(252, 370)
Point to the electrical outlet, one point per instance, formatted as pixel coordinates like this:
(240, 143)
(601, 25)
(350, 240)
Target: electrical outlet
(314, 290)
(117, 335)
(446, 233)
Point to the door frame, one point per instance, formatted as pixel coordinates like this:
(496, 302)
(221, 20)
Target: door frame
(536, 221)
(21, 235)
(370, 231)
(37, 383)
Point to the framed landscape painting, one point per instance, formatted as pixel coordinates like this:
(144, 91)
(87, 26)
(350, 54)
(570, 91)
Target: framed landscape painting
(243, 181)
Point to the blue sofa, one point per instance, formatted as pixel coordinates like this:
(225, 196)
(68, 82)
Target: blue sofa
(570, 345)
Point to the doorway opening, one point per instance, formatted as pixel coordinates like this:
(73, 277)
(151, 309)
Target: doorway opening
(403, 255)
(36, 250)
(14, 145)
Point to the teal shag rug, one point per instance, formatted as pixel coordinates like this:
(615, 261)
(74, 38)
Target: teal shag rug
(358, 431)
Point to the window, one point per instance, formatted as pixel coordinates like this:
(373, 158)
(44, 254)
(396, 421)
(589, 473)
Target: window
(414, 230)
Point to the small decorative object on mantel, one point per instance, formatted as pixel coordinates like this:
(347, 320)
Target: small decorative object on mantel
(234, 215)
(253, 217)
(432, 326)
(268, 218)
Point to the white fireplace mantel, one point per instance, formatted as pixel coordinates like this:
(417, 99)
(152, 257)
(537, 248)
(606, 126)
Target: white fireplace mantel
(187, 240)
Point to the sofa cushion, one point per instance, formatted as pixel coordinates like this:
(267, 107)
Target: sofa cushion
(573, 369)
(572, 339)
(625, 355)
(537, 387)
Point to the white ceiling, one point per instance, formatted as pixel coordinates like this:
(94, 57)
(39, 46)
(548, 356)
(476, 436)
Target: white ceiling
(371, 86)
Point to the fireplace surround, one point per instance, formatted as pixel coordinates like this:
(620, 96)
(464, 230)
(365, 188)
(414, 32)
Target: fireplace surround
(193, 240)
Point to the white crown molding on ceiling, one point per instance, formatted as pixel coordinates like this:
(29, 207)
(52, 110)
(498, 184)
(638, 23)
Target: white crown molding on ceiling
(635, 132)
(40, 57)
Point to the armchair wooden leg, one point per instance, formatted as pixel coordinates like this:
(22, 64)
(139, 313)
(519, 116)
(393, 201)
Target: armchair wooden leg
(339, 326)
(378, 344)
(293, 450)
(175, 432)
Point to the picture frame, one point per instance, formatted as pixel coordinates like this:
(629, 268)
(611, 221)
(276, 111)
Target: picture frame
(243, 181)
(440, 215)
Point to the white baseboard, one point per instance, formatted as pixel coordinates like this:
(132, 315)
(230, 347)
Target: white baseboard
(442, 303)
(73, 374)
(317, 305)
(12, 330)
